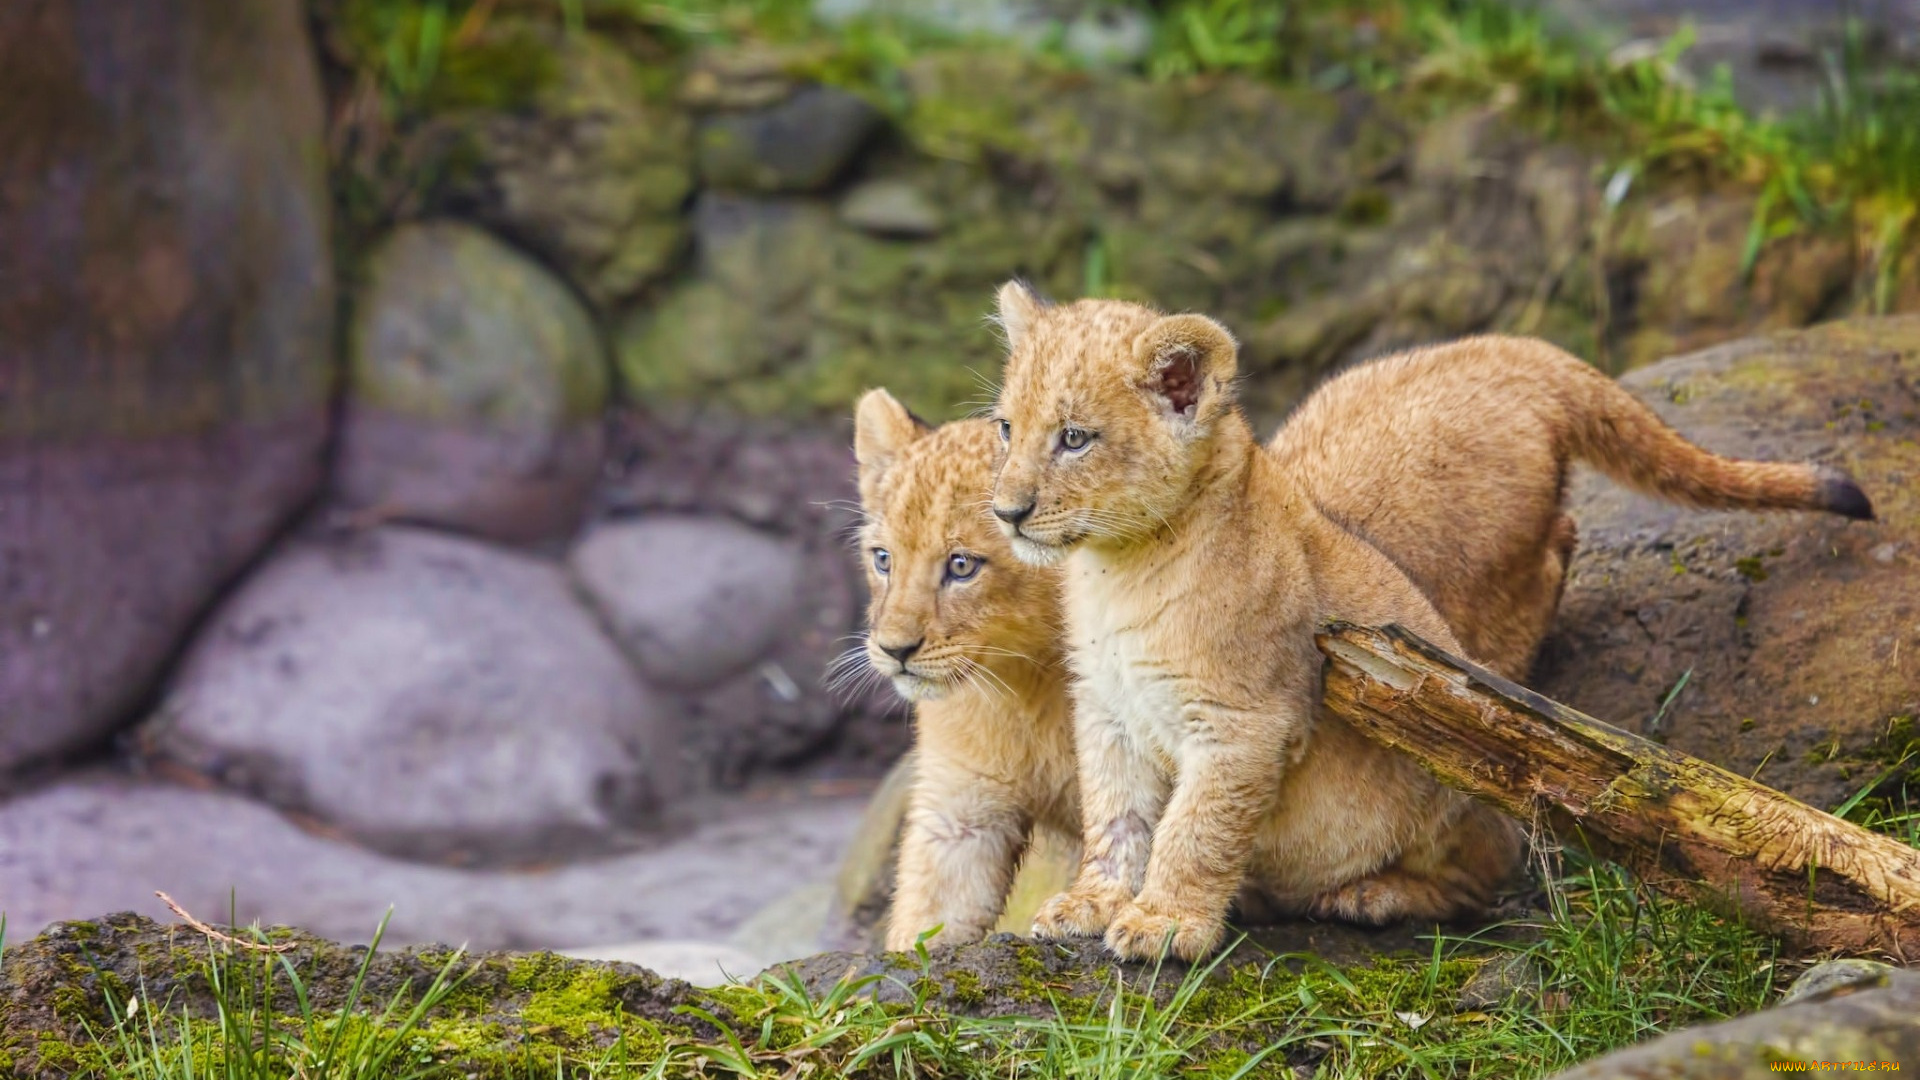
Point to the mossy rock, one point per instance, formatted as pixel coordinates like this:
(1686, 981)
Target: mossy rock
(792, 313)
(513, 1015)
(590, 171)
(1867, 1020)
(458, 327)
(522, 1014)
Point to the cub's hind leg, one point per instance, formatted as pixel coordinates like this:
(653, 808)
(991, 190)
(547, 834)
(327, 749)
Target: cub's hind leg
(963, 840)
(1512, 626)
(1453, 876)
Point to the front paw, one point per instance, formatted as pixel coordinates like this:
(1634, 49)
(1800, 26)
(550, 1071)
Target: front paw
(1078, 912)
(904, 938)
(1142, 933)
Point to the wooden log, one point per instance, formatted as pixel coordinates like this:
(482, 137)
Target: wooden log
(1684, 826)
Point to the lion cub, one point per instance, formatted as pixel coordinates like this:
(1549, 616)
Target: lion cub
(1197, 567)
(972, 637)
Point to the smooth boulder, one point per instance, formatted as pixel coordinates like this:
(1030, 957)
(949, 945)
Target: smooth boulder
(1796, 634)
(691, 599)
(475, 389)
(428, 695)
(794, 490)
(166, 313)
(800, 144)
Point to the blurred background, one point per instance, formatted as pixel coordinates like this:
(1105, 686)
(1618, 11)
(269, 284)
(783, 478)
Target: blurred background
(424, 443)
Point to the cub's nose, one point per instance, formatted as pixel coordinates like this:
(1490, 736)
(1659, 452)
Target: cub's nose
(903, 653)
(1014, 516)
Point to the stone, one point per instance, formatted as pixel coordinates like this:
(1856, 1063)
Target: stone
(699, 963)
(430, 696)
(692, 600)
(1505, 979)
(1770, 50)
(1096, 34)
(1829, 976)
(1868, 1021)
(801, 144)
(794, 483)
(98, 841)
(591, 175)
(1687, 253)
(890, 208)
(475, 390)
(748, 75)
(166, 325)
(1797, 644)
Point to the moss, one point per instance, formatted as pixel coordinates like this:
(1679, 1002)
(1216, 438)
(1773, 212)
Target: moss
(504, 70)
(1751, 568)
(1366, 206)
(967, 988)
(84, 1059)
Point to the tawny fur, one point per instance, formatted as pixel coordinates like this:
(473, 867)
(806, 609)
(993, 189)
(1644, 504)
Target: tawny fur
(1453, 460)
(993, 726)
(1197, 568)
(1398, 451)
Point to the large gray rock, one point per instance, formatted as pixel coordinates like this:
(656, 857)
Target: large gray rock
(97, 842)
(430, 696)
(591, 175)
(693, 600)
(165, 327)
(476, 386)
(1797, 633)
(797, 486)
(800, 144)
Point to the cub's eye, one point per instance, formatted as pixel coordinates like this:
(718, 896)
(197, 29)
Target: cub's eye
(882, 560)
(1006, 430)
(1074, 439)
(961, 566)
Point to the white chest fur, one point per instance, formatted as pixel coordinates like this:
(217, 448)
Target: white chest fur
(1115, 630)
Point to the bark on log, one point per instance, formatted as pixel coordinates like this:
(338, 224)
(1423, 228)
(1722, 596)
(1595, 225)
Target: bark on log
(1683, 826)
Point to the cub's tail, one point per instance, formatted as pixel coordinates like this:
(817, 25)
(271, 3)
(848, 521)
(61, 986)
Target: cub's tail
(1621, 437)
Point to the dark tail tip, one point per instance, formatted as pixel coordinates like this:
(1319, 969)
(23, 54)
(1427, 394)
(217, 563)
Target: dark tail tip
(1840, 495)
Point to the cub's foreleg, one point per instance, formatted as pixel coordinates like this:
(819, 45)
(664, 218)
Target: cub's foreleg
(963, 840)
(1229, 761)
(1121, 796)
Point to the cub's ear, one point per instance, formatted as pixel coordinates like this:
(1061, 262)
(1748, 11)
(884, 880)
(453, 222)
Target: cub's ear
(1187, 363)
(1019, 307)
(882, 427)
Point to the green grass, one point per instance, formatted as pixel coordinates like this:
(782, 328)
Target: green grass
(249, 1038)
(1613, 966)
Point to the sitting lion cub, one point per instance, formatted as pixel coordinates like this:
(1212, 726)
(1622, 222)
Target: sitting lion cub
(1197, 567)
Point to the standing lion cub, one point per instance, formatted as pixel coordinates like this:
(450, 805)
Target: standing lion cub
(1197, 566)
(1399, 451)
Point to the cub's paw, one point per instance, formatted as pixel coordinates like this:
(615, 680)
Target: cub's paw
(1138, 933)
(902, 939)
(1078, 912)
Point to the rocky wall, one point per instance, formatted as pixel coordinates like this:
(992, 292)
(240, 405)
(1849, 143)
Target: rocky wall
(607, 298)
